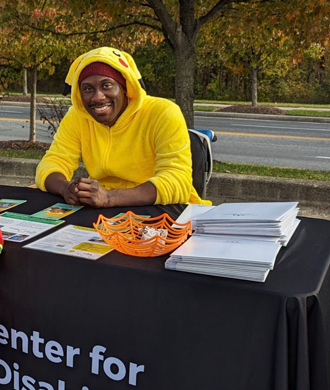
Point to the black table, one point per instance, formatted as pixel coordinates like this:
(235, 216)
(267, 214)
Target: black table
(123, 322)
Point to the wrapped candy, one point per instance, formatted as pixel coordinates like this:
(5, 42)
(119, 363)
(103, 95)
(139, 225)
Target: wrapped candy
(148, 232)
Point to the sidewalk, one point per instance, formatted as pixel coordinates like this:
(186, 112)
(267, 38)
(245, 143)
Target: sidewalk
(313, 196)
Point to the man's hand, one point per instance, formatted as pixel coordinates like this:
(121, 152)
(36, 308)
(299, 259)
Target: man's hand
(70, 195)
(89, 192)
(57, 184)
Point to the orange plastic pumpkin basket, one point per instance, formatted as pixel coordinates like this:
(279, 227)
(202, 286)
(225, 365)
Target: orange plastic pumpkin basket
(124, 233)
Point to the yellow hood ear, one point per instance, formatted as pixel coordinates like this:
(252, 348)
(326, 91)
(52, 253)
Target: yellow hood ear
(132, 64)
(73, 69)
(136, 73)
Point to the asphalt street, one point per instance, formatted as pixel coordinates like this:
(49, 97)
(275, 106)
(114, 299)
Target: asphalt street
(294, 144)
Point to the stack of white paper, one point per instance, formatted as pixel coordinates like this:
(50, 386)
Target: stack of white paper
(268, 221)
(233, 258)
(191, 213)
(235, 240)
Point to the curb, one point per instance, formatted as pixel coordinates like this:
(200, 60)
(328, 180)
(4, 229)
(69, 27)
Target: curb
(291, 118)
(221, 188)
(244, 188)
(21, 168)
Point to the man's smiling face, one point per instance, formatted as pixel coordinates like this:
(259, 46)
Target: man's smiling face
(104, 98)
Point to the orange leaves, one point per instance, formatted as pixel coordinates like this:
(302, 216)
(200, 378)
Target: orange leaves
(38, 14)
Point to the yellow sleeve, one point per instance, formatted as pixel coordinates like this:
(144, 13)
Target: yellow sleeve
(173, 172)
(64, 154)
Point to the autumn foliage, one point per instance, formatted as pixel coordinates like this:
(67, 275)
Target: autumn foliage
(237, 49)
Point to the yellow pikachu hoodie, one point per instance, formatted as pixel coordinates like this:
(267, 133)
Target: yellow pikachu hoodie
(149, 141)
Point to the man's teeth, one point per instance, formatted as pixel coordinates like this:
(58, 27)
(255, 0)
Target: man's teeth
(103, 108)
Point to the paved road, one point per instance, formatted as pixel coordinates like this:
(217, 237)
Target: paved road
(15, 124)
(270, 142)
(266, 142)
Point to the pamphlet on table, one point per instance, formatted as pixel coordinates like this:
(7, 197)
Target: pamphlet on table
(21, 227)
(72, 240)
(57, 211)
(6, 204)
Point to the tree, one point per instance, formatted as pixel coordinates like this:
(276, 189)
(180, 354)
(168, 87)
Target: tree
(256, 41)
(260, 35)
(180, 23)
(27, 48)
(177, 21)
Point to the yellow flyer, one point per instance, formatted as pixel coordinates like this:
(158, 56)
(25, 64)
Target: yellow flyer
(75, 241)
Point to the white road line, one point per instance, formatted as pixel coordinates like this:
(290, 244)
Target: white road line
(328, 158)
(10, 112)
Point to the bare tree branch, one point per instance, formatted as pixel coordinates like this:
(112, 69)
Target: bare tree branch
(165, 18)
(134, 23)
(213, 11)
(222, 4)
(44, 5)
(11, 59)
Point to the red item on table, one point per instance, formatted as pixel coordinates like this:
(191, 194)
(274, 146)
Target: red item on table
(1, 241)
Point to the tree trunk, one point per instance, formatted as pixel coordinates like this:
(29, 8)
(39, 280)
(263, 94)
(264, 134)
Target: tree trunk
(220, 76)
(25, 88)
(184, 82)
(33, 105)
(254, 86)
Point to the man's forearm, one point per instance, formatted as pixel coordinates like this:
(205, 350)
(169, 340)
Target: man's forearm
(56, 183)
(144, 194)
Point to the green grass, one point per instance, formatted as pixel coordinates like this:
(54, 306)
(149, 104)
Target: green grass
(261, 170)
(204, 108)
(308, 113)
(31, 154)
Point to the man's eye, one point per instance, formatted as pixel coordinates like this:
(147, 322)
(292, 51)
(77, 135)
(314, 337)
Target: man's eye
(107, 85)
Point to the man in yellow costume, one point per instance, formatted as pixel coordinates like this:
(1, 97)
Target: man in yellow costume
(135, 147)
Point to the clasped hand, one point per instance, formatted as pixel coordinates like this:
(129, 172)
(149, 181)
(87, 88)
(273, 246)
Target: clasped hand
(87, 192)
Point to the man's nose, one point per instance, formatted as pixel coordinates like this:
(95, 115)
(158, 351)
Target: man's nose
(98, 94)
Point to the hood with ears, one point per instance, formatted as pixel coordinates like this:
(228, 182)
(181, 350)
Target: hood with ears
(119, 60)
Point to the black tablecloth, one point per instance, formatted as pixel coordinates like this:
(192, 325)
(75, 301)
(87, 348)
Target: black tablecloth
(161, 329)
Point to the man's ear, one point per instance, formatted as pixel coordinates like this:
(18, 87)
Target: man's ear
(66, 89)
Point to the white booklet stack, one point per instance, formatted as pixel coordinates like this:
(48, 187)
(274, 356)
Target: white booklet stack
(262, 221)
(236, 240)
(230, 258)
